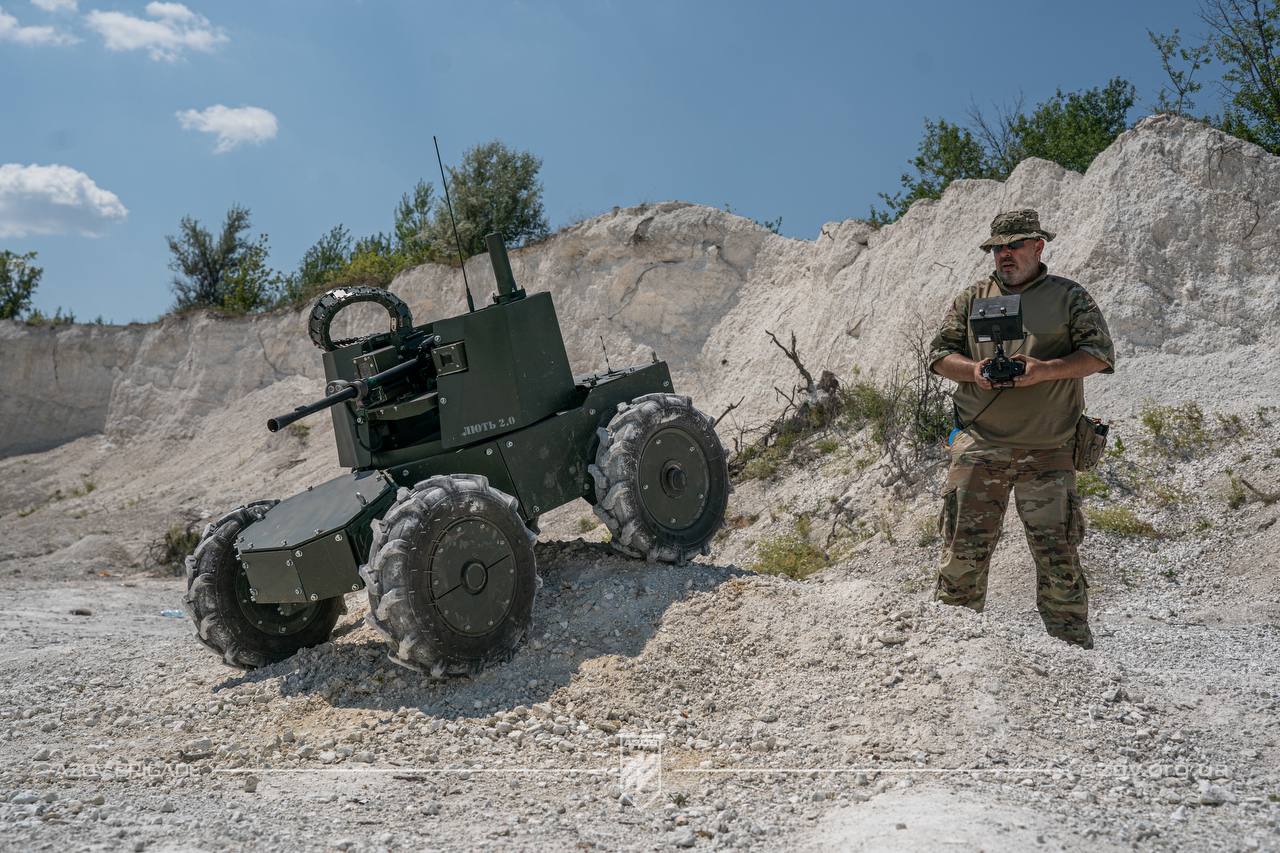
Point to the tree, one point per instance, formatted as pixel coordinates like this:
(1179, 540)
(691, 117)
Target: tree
(1175, 97)
(1245, 37)
(19, 278)
(251, 285)
(494, 189)
(947, 153)
(1068, 129)
(413, 223)
(1072, 129)
(227, 272)
(326, 256)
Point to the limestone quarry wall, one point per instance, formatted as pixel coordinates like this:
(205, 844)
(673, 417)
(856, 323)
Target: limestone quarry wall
(1175, 230)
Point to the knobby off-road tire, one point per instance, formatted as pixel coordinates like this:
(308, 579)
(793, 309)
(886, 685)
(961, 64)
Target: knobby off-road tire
(451, 576)
(239, 630)
(661, 479)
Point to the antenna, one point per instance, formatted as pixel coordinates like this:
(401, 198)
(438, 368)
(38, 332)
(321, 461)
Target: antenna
(606, 355)
(471, 305)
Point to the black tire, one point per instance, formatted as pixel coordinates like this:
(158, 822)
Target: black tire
(451, 576)
(661, 503)
(240, 631)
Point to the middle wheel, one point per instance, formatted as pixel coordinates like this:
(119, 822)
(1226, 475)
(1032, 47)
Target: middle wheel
(451, 575)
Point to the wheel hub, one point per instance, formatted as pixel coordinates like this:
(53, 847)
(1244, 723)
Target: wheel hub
(472, 576)
(673, 478)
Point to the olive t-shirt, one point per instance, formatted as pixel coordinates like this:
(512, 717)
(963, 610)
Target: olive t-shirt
(1059, 317)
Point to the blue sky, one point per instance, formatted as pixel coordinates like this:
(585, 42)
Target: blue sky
(799, 110)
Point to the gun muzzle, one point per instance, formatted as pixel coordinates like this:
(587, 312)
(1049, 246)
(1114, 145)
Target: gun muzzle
(278, 423)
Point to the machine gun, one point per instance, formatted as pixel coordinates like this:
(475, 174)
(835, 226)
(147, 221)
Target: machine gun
(413, 348)
(341, 390)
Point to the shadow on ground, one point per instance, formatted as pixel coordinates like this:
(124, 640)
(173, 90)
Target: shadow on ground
(594, 604)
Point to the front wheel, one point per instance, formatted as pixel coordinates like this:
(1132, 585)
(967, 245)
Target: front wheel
(451, 576)
(661, 479)
(228, 621)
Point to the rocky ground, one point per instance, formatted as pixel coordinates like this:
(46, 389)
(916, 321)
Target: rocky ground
(704, 706)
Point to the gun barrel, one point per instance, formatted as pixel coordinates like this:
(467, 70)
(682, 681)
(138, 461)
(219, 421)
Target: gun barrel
(359, 388)
(501, 264)
(280, 422)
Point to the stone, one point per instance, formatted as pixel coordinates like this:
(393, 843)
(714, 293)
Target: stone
(1214, 795)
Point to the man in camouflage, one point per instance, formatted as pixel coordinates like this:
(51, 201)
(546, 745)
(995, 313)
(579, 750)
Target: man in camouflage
(1020, 437)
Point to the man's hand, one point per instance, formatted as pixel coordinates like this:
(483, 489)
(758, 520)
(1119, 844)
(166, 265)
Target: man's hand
(1037, 371)
(1077, 365)
(982, 381)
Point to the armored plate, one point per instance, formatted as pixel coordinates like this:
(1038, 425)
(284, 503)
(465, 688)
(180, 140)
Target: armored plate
(310, 546)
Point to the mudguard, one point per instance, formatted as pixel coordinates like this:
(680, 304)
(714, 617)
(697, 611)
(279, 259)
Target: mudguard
(311, 546)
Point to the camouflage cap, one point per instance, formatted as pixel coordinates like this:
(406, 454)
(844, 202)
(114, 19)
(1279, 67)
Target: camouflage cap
(1015, 225)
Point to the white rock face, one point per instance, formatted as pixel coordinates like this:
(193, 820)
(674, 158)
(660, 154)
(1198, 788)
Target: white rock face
(1175, 230)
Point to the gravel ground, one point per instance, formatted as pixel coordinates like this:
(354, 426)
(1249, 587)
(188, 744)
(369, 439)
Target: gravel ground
(702, 706)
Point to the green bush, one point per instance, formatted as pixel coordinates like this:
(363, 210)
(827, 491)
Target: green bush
(1180, 429)
(171, 549)
(495, 189)
(1070, 129)
(228, 272)
(1120, 520)
(1090, 485)
(36, 317)
(19, 278)
(789, 554)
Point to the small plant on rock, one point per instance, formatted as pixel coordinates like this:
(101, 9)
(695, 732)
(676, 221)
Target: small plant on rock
(790, 554)
(171, 549)
(1090, 485)
(1122, 521)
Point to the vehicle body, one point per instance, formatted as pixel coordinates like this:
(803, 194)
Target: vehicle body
(458, 434)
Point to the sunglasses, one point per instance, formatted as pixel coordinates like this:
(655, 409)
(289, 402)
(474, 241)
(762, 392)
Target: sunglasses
(1016, 244)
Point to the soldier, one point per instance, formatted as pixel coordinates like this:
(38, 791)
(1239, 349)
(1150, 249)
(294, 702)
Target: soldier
(1020, 437)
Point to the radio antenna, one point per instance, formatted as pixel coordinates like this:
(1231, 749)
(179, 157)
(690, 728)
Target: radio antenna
(471, 305)
(606, 355)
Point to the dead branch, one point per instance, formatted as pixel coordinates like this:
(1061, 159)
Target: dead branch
(795, 359)
(730, 408)
(1266, 497)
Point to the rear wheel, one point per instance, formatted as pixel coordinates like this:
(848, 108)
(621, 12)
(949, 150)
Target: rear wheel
(228, 621)
(661, 479)
(451, 576)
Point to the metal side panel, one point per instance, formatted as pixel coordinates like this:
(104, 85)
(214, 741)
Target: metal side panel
(310, 546)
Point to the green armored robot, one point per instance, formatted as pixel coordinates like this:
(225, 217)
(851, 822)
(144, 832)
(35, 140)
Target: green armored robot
(459, 433)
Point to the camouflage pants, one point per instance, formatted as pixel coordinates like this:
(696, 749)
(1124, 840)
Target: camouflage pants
(1044, 488)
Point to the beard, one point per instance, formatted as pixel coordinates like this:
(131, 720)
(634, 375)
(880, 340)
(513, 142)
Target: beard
(1016, 277)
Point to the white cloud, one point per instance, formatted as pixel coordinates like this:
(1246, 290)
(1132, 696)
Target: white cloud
(11, 30)
(54, 200)
(172, 11)
(233, 125)
(55, 5)
(174, 30)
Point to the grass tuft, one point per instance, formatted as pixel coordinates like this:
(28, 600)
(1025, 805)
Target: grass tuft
(1120, 520)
